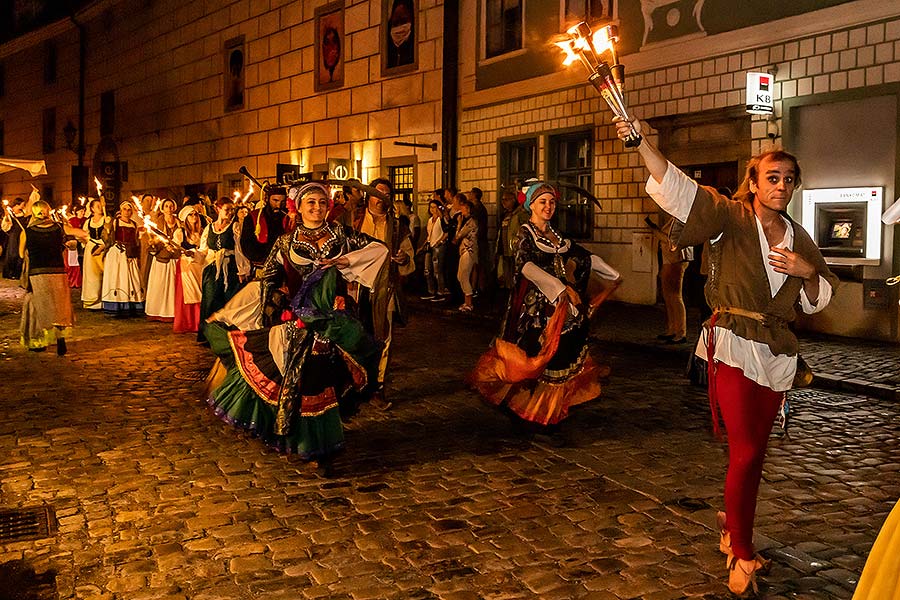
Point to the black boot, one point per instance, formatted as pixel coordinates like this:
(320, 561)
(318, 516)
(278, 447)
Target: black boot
(61, 348)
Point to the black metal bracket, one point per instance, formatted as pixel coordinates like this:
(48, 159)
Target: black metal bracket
(417, 145)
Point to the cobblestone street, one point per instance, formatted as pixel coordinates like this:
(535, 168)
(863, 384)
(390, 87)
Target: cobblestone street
(436, 498)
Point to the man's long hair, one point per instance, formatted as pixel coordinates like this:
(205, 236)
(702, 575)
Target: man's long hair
(743, 193)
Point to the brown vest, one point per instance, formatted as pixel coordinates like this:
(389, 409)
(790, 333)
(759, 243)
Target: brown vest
(737, 273)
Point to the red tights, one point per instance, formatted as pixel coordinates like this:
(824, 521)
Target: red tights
(748, 410)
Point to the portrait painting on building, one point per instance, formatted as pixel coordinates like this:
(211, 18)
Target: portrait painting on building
(235, 62)
(329, 46)
(399, 53)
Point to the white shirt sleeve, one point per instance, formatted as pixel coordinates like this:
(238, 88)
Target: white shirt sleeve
(550, 286)
(825, 293)
(365, 264)
(675, 194)
(599, 266)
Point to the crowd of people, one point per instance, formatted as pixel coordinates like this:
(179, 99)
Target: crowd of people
(297, 298)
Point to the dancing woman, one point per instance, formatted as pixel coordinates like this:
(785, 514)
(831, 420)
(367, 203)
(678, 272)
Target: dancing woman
(539, 366)
(291, 347)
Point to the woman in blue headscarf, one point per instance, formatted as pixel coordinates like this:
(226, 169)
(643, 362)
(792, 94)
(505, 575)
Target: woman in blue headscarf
(539, 365)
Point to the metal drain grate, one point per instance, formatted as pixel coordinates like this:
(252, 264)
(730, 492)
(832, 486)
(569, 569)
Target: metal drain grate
(29, 523)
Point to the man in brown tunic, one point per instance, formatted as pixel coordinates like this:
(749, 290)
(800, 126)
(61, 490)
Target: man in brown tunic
(762, 265)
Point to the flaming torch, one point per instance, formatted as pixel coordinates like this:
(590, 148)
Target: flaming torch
(587, 46)
(99, 187)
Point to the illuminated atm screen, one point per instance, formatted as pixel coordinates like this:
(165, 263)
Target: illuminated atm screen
(845, 223)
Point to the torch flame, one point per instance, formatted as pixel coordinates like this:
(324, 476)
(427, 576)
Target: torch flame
(249, 193)
(566, 47)
(237, 195)
(99, 187)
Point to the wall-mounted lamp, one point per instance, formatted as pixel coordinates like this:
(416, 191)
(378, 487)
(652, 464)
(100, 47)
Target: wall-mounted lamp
(772, 128)
(69, 132)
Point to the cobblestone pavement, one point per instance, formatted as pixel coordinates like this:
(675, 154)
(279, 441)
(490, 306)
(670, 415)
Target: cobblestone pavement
(437, 498)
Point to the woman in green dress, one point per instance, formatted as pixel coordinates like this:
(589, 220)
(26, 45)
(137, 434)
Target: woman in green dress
(226, 266)
(292, 351)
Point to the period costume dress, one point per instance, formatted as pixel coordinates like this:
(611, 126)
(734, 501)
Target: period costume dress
(539, 366)
(880, 578)
(291, 347)
(225, 265)
(188, 274)
(47, 315)
(92, 269)
(160, 303)
(123, 294)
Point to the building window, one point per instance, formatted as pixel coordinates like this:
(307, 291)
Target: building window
(47, 194)
(49, 130)
(570, 162)
(50, 60)
(503, 26)
(402, 178)
(590, 11)
(518, 162)
(107, 113)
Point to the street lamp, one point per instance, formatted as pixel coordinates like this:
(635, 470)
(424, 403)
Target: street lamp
(588, 47)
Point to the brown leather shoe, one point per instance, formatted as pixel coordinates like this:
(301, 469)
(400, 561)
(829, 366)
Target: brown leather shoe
(379, 402)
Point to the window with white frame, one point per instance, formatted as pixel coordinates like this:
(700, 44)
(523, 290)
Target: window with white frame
(502, 26)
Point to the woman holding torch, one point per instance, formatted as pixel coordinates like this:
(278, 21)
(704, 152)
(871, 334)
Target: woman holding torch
(539, 366)
(98, 228)
(123, 294)
(762, 265)
(164, 254)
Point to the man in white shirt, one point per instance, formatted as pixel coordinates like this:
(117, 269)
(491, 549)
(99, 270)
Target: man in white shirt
(762, 265)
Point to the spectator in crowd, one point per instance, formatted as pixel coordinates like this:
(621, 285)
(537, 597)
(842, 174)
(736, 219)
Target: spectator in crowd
(466, 240)
(11, 224)
(674, 262)
(512, 216)
(480, 214)
(380, 304)
(434, 249)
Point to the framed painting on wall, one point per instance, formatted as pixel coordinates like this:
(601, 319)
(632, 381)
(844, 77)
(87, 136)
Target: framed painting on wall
(329, 73)
(399, 53)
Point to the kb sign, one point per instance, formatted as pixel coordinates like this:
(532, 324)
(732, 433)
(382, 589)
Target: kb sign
(759, 93)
